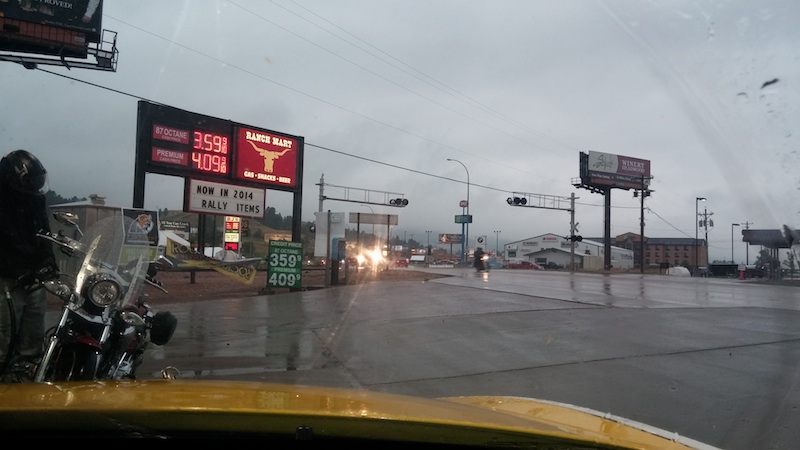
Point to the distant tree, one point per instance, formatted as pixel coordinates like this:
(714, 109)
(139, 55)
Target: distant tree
(791, 262)
(51, 198)
(766, 261)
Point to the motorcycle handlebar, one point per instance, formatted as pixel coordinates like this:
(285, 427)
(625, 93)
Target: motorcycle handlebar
(67, 244)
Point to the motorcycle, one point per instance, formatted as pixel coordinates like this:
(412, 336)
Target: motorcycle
(106, 321)
(481, 262)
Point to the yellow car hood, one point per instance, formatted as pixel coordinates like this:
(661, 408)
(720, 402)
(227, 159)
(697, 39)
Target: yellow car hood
(213, 409)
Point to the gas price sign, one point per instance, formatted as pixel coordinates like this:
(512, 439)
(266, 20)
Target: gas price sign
(175, 142)
(284, 264)
(194, 146)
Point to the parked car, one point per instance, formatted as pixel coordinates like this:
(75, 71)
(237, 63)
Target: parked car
(523, 265)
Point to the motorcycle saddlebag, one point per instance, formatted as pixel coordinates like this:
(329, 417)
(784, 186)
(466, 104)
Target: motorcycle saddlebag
(164, 324)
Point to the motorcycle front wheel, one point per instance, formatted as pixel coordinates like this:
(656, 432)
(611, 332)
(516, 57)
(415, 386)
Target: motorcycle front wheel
(73, 362)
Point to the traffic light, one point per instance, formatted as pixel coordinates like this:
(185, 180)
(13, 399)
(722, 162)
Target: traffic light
(517, 201)
(398, 202)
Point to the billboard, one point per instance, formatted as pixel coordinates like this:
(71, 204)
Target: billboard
(50, 27)
(606, 169)
(84, 16)
(450, 238)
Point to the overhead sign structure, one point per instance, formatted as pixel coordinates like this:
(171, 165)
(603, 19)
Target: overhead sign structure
(207, 197)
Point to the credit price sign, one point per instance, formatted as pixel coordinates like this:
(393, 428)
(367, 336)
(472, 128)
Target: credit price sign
(285, 264)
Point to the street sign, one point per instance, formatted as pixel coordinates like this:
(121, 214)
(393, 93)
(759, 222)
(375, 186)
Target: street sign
(463, 218)
(463, 204)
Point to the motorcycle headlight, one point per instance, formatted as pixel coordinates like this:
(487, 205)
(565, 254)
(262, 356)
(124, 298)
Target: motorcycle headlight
(103, 291)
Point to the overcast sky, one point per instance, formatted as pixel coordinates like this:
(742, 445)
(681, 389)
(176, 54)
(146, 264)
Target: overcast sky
(384, 92)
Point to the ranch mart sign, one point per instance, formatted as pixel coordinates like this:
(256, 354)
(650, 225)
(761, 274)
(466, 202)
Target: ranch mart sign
(206, 197)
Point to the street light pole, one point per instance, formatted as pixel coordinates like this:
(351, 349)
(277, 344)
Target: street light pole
(464, 233)
(733, 225)
(496, 242)
(696, 228)
(705, 226)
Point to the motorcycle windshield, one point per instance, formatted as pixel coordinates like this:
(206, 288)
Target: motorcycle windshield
(115, 250)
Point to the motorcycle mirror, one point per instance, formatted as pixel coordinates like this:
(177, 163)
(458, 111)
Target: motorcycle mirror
(58, 289)
(67, 218)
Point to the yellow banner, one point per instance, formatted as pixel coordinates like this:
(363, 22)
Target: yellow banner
(185, 258)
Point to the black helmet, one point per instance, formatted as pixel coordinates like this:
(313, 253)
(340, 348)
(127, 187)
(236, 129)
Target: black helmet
(23, 172)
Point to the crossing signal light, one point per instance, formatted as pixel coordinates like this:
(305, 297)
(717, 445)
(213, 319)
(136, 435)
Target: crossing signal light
(575, 238)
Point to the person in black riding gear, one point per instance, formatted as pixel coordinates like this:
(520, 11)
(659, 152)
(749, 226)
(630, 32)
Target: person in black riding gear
(479, 264)
(24, 258)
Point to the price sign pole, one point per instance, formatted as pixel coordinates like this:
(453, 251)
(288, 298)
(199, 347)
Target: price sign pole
(284, 264)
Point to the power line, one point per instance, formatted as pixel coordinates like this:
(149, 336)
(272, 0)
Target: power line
(277, 25)
(425, 78)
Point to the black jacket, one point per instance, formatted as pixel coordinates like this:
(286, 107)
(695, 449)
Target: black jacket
(21, 216)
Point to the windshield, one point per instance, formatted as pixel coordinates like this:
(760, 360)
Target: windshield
(591, 203)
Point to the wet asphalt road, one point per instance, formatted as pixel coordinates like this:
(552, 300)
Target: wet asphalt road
(717, 360)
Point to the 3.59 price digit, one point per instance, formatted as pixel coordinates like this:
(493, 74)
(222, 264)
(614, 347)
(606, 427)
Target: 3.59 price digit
(210, 142)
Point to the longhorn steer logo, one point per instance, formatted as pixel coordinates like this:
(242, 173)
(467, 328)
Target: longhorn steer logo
(269, 157)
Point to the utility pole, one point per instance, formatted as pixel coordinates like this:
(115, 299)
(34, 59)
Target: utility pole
(747, 246)
(705, 224)
(573, 228)
(643, 192)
